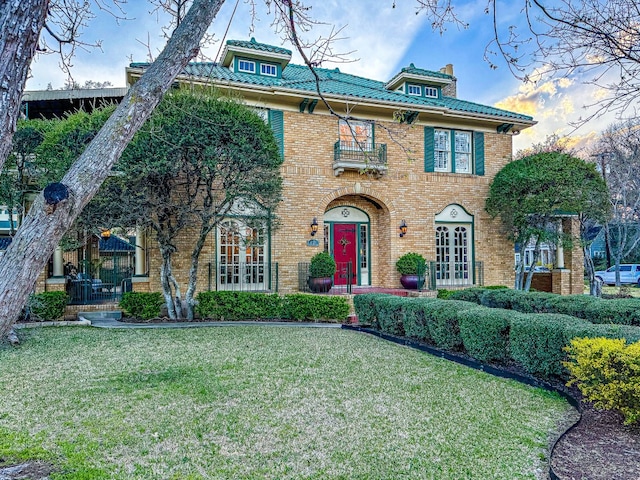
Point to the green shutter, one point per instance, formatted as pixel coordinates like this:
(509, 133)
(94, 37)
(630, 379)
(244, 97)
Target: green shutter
(276, 120)
(478, 148)
(429, 149)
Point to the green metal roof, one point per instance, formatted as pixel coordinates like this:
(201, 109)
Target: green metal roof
(413, 70)
(262, 47)
(334, 82)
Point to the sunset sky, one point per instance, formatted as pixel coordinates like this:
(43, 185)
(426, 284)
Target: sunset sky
(382, 40)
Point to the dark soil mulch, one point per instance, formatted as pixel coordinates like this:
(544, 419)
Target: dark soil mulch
(600, 447)
(26, 471)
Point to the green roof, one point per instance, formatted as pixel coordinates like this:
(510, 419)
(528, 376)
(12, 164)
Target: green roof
(413, 70)
(334, 82)
(261, 47)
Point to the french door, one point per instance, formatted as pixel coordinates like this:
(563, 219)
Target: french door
(453, 255)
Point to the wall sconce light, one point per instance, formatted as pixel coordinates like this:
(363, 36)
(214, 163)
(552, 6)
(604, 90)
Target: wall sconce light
(105, 234)
(403, 228)
(314, 226)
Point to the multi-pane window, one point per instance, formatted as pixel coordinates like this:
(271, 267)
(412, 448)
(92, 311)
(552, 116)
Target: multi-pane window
(463, 151)
(414, 90)
(442, 150)
(364, 260)
(268, 69)
(241, 256)
(356, 135)
(246, 66)
(431, 92)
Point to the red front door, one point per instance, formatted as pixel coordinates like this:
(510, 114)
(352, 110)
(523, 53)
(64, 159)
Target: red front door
(344, 252)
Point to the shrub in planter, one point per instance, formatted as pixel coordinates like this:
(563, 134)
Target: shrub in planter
(485, 333)
(47, 306)
(537, 342)
(142, 305)
(301, 307)
(321, 271)
(409, 266)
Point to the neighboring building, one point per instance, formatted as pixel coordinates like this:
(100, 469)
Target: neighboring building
(416, 156)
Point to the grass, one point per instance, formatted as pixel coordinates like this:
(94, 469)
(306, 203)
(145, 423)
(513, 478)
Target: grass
(261, 402)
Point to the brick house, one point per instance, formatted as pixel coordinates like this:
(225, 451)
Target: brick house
(411, 155)
(416, 156)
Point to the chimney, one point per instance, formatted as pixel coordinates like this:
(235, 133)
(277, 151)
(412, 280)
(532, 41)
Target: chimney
(450, 90)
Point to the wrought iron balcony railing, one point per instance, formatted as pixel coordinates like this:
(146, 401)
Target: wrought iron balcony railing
(363, 158)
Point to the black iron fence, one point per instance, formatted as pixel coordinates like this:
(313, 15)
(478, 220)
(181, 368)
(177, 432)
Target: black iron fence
(342, 282)
(104, 280)
(455, 274)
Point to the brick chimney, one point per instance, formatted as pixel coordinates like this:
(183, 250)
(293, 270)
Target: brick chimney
(450, 90)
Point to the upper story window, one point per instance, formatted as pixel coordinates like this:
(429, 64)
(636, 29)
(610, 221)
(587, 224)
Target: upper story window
(442, 151)
(269, 69)
(246, 66)
(356, 135)
(414, 89)
(463, 151)
(431, 92)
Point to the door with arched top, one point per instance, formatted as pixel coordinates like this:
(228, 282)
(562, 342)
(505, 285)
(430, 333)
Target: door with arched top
(454, 247)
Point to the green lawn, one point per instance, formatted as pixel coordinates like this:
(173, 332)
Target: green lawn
(262, 402)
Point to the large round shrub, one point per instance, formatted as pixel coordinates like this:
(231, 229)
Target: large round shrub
(322, 265)
(410, 263)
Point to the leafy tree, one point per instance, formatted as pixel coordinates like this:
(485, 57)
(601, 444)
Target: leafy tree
(188, 165)
(529, 194)
(618, 154)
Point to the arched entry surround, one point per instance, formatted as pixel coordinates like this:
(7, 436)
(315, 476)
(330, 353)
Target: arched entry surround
(360, 208)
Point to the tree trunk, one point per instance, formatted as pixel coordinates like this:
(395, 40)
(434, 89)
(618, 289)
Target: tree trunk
(193, 272)
(595, 285)
(44, 226)
(20, 24)
(532, 267)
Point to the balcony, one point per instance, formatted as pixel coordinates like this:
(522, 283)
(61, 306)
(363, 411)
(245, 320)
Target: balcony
(350, 156)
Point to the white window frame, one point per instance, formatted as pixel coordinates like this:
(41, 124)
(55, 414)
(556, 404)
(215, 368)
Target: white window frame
(247, 62)
(265, 69)
(417, 90)
(442, 150)
(463, 151)
(431, 92)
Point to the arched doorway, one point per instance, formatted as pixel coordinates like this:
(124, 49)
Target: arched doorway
(347, 239)
(454, 247)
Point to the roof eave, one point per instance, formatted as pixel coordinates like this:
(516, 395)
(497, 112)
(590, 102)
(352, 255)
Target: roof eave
(402, 77)
(229, 52)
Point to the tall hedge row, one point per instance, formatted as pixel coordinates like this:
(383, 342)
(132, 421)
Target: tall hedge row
(595, 310)
(536, 341)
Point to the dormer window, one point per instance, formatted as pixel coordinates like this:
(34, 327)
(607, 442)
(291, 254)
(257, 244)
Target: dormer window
(414, 90)
(269, 70)
(246, 66)
(431, 92)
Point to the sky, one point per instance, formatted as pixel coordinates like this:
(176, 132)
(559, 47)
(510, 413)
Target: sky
(378, 39)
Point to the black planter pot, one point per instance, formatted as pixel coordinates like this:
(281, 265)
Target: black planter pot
(410, 282)
(320, 284)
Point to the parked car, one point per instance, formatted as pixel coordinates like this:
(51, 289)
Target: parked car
(629, 273)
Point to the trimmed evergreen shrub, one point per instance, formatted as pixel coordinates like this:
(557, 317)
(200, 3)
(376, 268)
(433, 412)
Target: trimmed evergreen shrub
(441, 317)
(305, 307)
(142, 305)
(537, 341)
(502, 298)
(366, 307)
(47, 306)
(391, 313)
(590, 330)
(410, 263)
(415, 323)
(532, 302)
(485, 333)
(574, 305)
(472, 294)
(231, 306)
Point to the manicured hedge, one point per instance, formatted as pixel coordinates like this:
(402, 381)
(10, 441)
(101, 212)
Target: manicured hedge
(232, 306)
(304, 307)
(441, 318)
(416, 321)
(390, 314)
(142, 305)
(485, 333)
(472, 294)
(47, 306)
(366, 306)
(536, 341)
